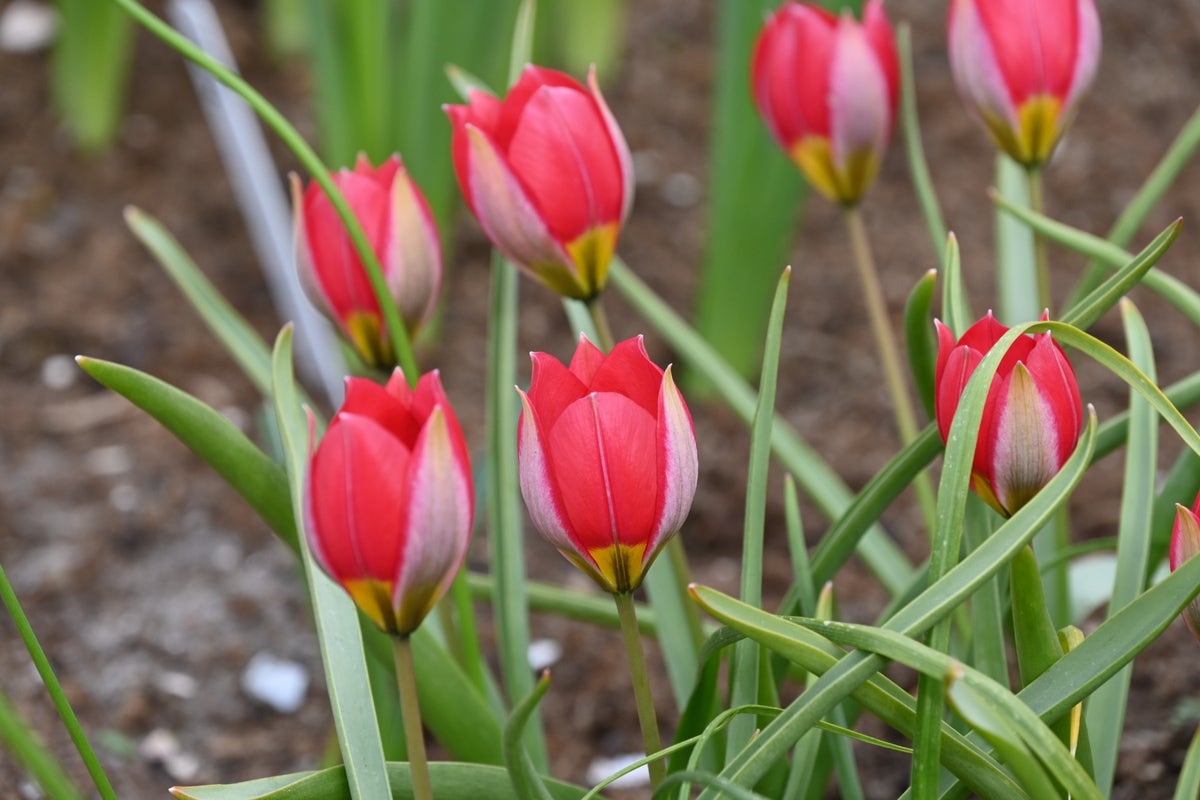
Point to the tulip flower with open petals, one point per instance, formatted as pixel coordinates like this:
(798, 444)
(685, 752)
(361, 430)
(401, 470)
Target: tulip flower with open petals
(607, 459)
(389, 500)
(1032, 417)
(1022, 65)
(827, 88)
(400, 228)
(547, 173)
(1185, 543)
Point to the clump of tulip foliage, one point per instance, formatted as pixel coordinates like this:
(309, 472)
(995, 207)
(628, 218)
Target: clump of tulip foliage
(379, 504)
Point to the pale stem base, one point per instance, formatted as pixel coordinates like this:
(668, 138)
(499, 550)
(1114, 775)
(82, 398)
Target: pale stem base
(641, 684)
(410, 709)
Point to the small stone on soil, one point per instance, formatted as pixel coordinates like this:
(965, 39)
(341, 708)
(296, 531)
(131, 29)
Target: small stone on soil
(277, 682)
(602, 767)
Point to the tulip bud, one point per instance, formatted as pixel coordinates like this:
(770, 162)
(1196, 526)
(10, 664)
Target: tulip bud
(827, 88)
(1032, 417)
(1185, 543)
(388, 499)
(547, 173)
(607, 459)
(1022, 67)
(402, 233)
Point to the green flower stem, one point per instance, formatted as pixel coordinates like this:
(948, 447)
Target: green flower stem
(676, 552)
(410, 709)
(641, 684)
(397, 333)
(1037, 204)
(889, 357)
(57, 696)
(595, 309)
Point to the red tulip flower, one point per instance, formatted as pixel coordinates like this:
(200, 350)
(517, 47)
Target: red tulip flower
(389, 499)
(1022, 65)
(607, 459)
(1185, 543)
(547, 173)
(1032, 417)
(827, 88)
(401, 230)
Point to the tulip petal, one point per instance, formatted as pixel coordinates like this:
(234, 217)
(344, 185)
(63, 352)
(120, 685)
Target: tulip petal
(978, 72)
(553, 387)
(355, 504)
(509, 217)
(678, 464)
(601, 447)
(340, 272)
(791, 72)
(566, 162)
(629, 371)
(1056, 383)
(366, 398)
(1026, 442)
(305, 267)
(412, 251)
(437, 523)
(619, 145)
(859, 108)
(586, 360)
(538, 486)
(957, 370)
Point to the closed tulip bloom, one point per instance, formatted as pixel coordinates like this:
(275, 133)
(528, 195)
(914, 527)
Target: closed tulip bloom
(1185, 543)
(607, 459)
(827, 87)
(1022, 65)
(400, 228)
(548, 174)
(389, 501)
(1032, 417)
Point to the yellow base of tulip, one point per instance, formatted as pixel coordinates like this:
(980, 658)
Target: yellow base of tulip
(845, 185)
(620, 565)
(365, 332)
(1031, 143)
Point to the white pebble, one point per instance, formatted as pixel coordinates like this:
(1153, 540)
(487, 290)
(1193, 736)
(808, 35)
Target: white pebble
(681, 190)
(111, 459)
(177, 684)
(277, 682)
(124, 498)
(59, 372)
(27, 26)
(543, 654)
(602, 767)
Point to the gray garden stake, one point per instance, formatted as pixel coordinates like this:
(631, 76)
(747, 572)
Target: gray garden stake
(260, 196)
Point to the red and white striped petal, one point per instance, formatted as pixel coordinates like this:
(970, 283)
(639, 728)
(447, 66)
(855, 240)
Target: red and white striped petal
(538, 485)
(860, 109)
(975, 66)
(412, 260)
(678, 464)
(619, 145)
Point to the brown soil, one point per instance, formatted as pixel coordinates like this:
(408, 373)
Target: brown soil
(138, 565)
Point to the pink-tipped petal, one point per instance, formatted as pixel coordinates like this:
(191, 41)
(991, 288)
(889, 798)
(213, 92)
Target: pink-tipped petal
(678, 464)
(538, 486)
(1087, 51)
(504, 210)
(412, 258)
(860, 111)
(1024, 457)
(438, 523)
(619, 145)
(975, 66)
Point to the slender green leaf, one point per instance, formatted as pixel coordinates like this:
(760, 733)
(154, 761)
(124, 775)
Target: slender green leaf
(935, 603)
(259, 480)
(503, 501)
(821, 483)
(1109, 648)
(1106, 711)
(1109, 256)
(1028, 726)
(875, 692)
(727, 788)
(335, 614)
(1182, 394)
(990, 721)
(919, 339)
(235, 333)
(956, 310)
(23, 745)
(744, 678)
(1160, 179)
(1084, 313)
(525, 780)
(987, 610)
(918, 169)
(1188, 785)
(93, 52)
(451, 781)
